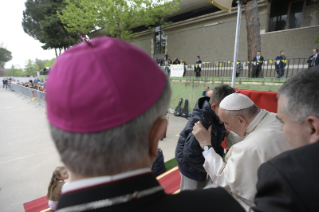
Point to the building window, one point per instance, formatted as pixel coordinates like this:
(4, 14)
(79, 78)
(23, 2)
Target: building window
(290, 14)
(160, 40)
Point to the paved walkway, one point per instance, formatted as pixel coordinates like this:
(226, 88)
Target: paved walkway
(28, 155)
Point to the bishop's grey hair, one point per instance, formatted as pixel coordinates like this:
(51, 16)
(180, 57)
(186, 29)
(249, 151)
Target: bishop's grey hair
(110, 151)
(302, 95)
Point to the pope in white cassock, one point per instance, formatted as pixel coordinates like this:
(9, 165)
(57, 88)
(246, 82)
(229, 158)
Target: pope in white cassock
(255, 138)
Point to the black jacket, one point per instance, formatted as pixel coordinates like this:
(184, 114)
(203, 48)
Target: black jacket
(310, 61)
(188, 152)
(198, 69)
(261, 59)
(289, 182)
(213, 200)
(281, 65)
(158, 167)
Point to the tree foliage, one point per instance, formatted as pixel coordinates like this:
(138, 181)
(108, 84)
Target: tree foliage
(5, 56)
(117, 17)
(3, 72)
(41, 22)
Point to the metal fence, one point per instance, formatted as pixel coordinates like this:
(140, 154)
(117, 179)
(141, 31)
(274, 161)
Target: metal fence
(29, 93)
(225, 68)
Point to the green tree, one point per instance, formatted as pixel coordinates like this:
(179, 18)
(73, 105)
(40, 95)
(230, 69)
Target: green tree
(41, 22)
(5, 56)
(3, 72)
(40, 63)
(30, 67)
(117, 17)
(49, 63)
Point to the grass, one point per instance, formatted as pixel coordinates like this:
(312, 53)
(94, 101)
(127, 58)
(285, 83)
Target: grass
(192, 90)
(171, 164)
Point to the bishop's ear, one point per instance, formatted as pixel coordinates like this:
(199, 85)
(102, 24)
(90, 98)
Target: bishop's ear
(313, 124)
(156, 133)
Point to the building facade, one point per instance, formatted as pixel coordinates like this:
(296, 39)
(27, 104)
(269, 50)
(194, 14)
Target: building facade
(199, 28)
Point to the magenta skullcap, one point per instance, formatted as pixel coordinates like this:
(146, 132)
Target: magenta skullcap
(101, 84)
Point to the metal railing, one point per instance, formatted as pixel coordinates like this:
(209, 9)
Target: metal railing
(28, 93)
(225, 68)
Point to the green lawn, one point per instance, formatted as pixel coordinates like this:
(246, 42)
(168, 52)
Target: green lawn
(170, 164)
(192, 90)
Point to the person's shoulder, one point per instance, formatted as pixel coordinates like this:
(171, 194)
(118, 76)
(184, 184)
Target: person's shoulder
(302, 154)
(214, 199)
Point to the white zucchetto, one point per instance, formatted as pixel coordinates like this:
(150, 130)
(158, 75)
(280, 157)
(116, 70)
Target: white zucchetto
(236, 101)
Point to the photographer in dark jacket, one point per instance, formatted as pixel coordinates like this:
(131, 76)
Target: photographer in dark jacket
(158, 167)
(188, 153)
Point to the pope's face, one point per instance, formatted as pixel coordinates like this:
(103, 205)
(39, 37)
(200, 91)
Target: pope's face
(296, 134)
(232, 123)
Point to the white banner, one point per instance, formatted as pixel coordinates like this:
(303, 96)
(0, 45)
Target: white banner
(177, 70)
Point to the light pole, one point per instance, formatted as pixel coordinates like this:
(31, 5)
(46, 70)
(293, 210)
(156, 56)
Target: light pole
(240, 3)
(12, 67)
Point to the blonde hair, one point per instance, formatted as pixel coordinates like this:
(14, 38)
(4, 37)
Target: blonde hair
(54, 183)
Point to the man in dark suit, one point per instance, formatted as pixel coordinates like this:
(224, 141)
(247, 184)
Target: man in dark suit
(109, 146)
(257, 63)
(280, 63)
(198, 67)
(313, 59)
(289, 182)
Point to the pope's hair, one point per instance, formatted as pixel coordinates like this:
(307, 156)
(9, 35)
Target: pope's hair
(247, 113)
(302, 95)
(111, 151)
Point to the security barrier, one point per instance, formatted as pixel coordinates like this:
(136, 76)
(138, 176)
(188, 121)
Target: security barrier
(29, 93)
(225, 69)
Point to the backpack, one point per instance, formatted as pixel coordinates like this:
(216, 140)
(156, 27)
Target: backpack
(178, 109)
(185, 109)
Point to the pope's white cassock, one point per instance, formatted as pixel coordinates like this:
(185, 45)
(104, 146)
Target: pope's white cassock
(238, 174)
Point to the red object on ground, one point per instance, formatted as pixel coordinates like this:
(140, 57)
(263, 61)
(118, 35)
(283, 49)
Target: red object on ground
(36, 205)
(170, 180)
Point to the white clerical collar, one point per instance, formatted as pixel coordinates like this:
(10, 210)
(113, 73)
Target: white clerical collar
(79, 184)
(256, 118)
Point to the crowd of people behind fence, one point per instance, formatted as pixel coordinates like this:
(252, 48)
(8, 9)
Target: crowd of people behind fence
(36, 84)
(257, 63)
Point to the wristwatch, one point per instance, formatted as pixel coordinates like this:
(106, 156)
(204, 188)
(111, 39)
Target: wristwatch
(207, 147)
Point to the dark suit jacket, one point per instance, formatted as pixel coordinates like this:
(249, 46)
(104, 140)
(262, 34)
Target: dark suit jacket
(281, 65)
(216, 199)
(198, 69)
(310, 61)
(260, 59)
(289, 182)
